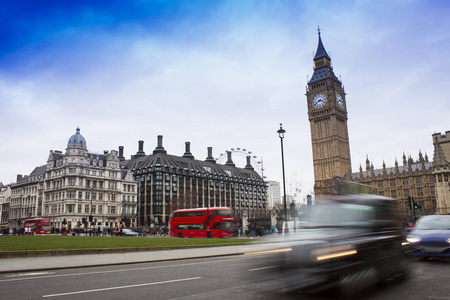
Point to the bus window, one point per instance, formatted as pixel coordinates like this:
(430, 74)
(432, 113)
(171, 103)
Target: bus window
(189, 226)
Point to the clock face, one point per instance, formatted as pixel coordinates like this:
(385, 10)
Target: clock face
(339, 100)
(319, 100)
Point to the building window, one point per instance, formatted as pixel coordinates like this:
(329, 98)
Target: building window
(86, 209)
(392, 182)
(380, 184)
(100, 209)
(433, 192)
(79, 208)
(419, 192)
(393, 194)
(405, 181)
(419, 180)
(406, 193)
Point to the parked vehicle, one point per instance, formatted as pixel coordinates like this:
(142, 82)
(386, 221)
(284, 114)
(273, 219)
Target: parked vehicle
(431, 237)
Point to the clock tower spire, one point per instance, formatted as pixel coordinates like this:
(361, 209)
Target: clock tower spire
(327, 114)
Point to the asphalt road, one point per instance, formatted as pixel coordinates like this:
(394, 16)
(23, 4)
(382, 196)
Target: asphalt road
(231, 277)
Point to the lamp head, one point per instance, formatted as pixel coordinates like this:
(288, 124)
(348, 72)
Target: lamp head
(281, 131)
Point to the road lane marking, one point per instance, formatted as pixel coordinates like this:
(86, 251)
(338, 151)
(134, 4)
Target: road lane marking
(262, 268)
(122, 270)
(120, 287)
(30, 274)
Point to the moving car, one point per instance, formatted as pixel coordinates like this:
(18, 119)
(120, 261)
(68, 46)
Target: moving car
(431, 237)
(129, 232)
(349, 244)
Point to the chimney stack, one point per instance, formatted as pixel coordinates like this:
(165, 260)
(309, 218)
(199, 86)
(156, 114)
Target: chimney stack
(249, 164)
(229, 160)
(121, 157)
(187, 152)
(141, 150)
(159, 148)
(210, 158)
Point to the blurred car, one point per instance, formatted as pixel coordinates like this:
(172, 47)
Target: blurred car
(349, 244)
(129, 232)
(431, 237)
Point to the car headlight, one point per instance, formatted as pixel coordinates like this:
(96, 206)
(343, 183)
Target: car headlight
(413, 238)
(448, 240)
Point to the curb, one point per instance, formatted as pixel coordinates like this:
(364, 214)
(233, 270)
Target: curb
(64, 252)
(115, 263)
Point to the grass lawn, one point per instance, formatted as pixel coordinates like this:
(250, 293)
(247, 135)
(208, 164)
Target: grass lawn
(53, 242)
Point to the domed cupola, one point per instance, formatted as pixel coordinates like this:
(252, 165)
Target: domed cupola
(77, 141)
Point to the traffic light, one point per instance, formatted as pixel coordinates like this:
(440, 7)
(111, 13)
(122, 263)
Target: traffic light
(83, 220)
(91, 218)
(416, 206)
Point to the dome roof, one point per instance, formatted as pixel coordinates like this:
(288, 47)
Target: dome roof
(77, 140)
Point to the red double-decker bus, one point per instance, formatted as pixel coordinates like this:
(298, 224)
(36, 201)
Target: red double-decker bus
(202, 222)
(42, 225)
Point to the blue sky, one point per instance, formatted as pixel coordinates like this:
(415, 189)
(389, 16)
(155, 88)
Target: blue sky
(219, 74)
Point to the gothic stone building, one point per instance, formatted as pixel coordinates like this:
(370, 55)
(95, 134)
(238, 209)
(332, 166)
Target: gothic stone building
(413, 178)
(327, 112)
(427, 182)
(441, 171)
(167, 182)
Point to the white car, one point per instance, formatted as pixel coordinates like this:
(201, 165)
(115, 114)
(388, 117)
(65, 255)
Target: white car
(129, 232)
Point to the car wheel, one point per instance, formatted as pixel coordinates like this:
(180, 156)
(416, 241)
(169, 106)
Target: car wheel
(354, 283)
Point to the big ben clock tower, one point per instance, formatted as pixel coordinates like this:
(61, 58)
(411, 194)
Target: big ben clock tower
(327, 113)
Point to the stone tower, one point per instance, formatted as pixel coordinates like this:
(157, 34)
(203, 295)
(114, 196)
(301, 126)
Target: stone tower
(327, 113)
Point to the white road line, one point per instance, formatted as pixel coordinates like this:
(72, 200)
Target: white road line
(120, 287)
(30, 274)
(122, 270)
(262, 268)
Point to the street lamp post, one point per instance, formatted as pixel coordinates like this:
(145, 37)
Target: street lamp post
(208, 233)
(281, 133)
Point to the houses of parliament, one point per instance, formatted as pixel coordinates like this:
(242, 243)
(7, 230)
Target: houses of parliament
(427, 182)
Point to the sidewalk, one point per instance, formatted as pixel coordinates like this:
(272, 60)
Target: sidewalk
(29, 264)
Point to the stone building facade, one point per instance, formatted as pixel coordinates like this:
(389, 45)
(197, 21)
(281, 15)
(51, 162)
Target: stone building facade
(79, 186)
(441, 171)
(166, 182)
(327, 113)
(428, 183)
(413, 178)
(26, 197)
(5, 198)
